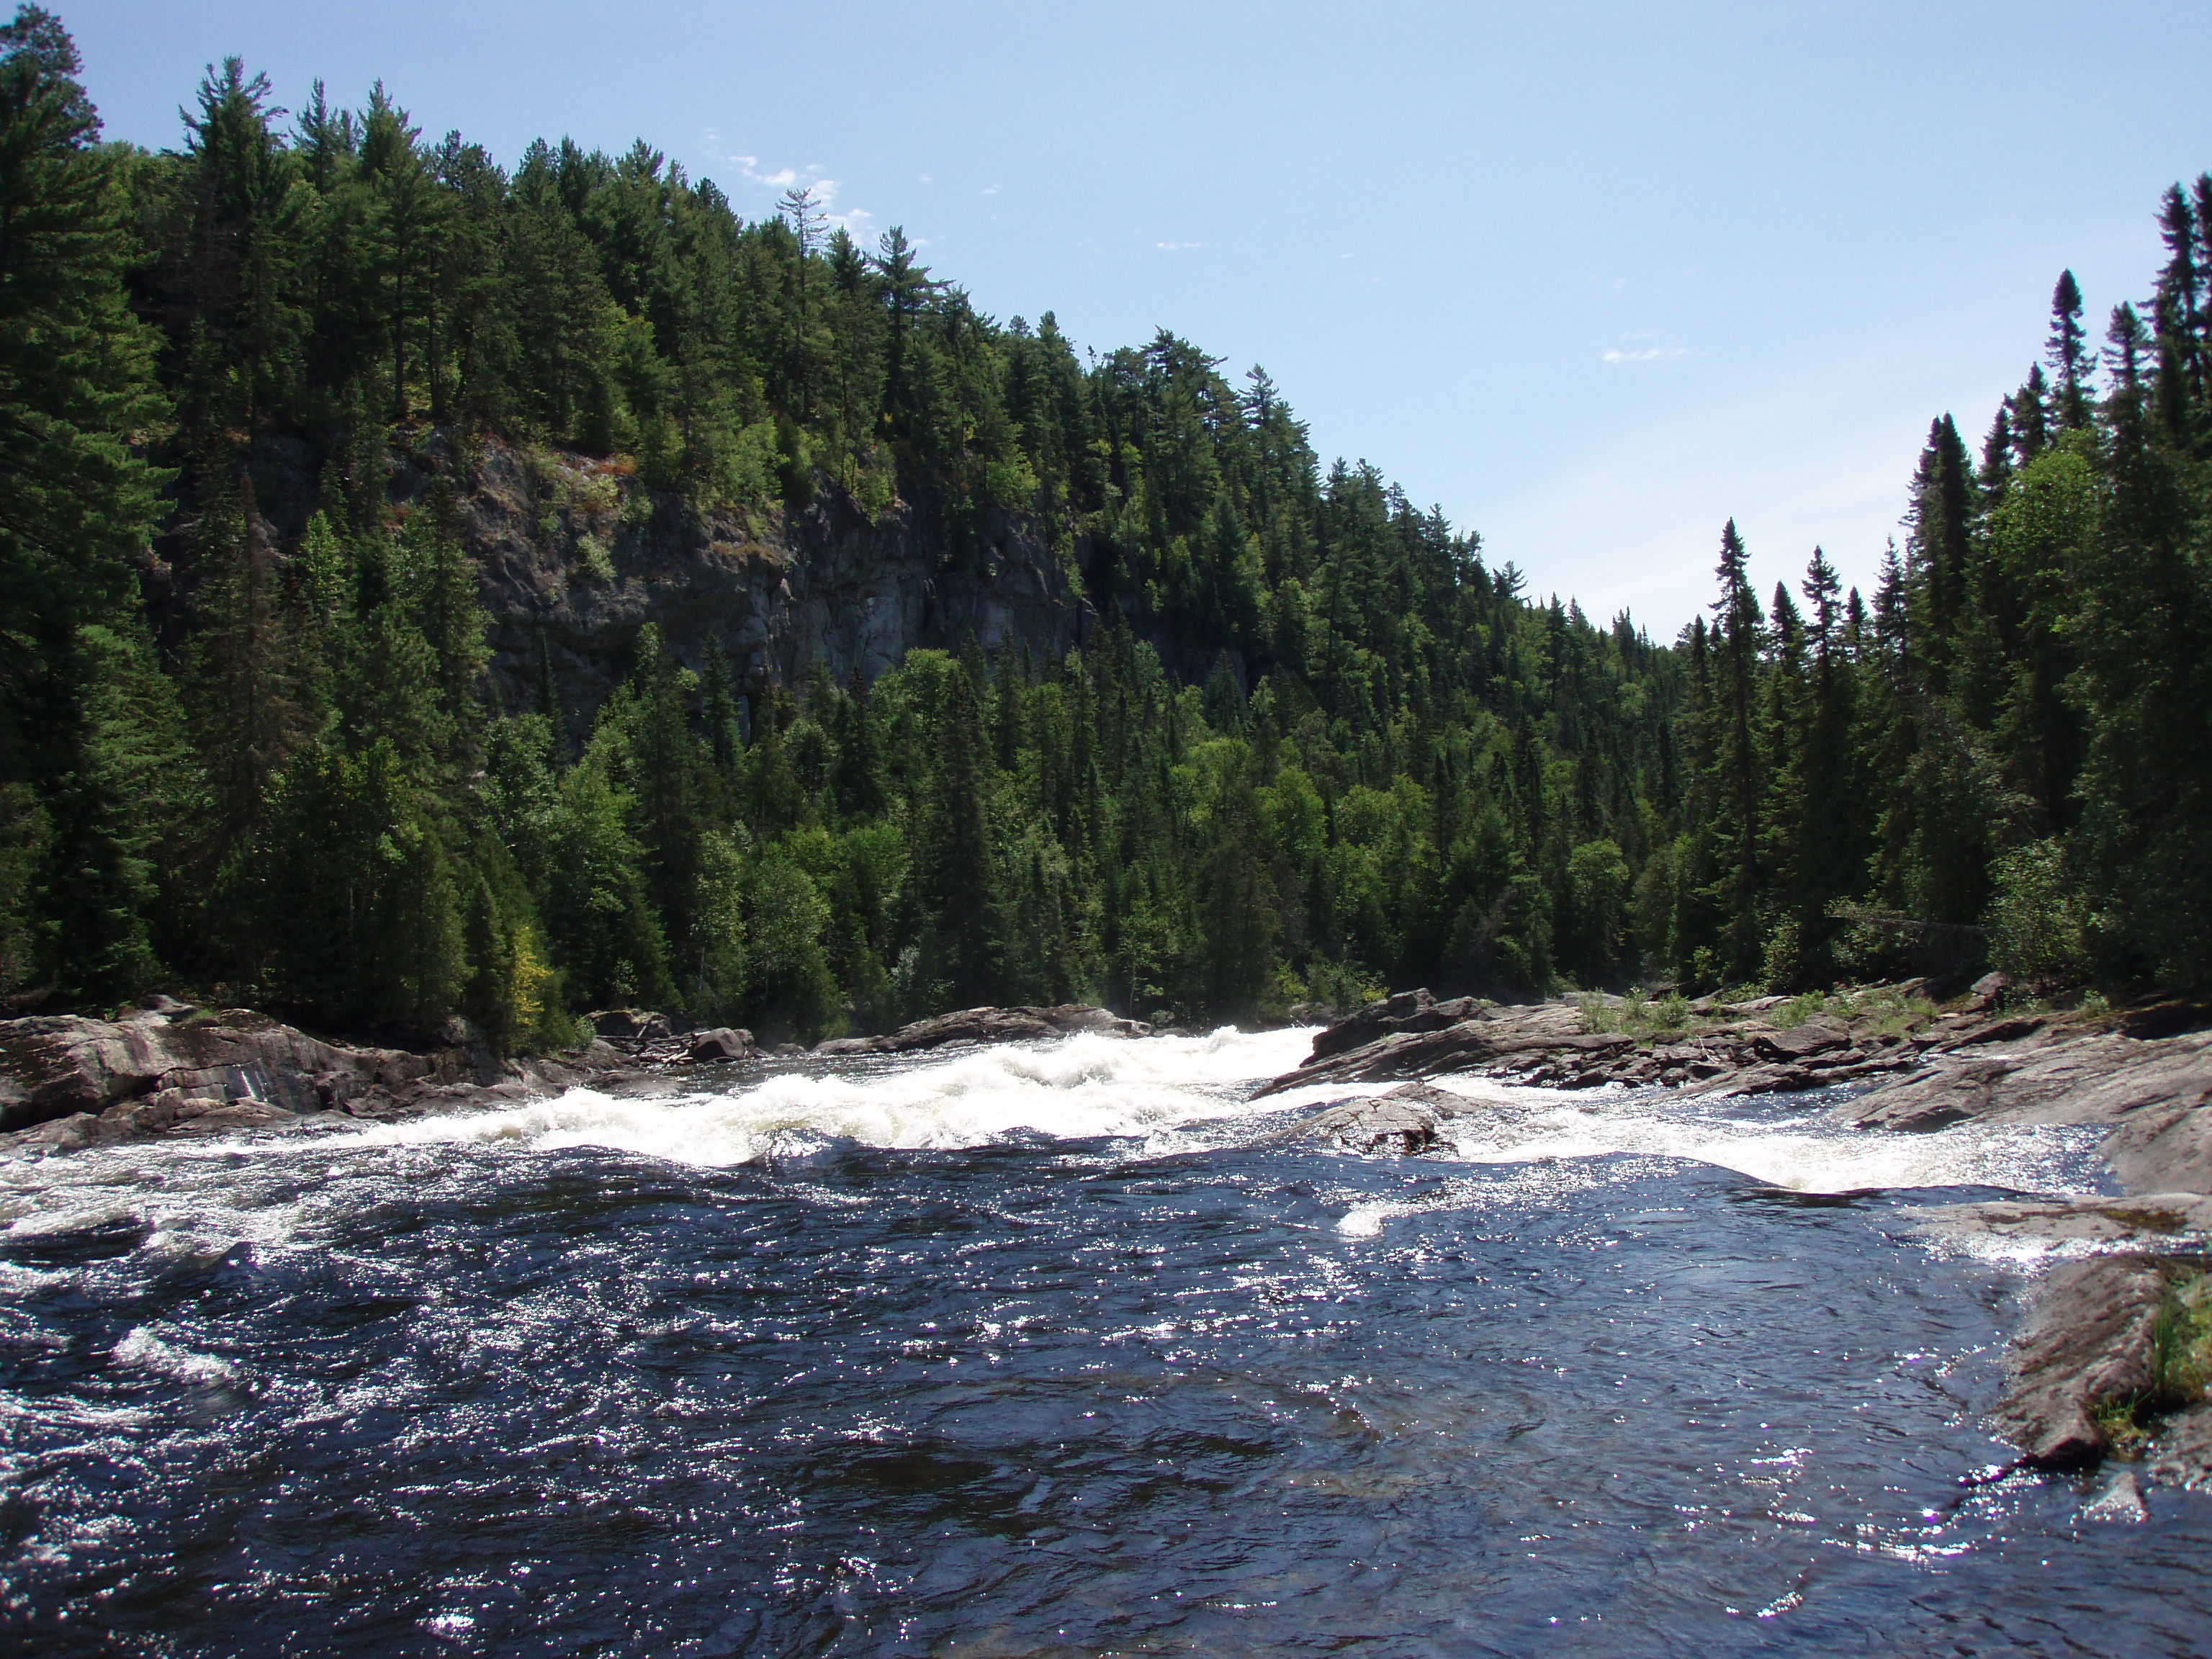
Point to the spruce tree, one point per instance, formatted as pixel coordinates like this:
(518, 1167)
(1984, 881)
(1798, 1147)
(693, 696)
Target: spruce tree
(77, 501)
(2067, 351)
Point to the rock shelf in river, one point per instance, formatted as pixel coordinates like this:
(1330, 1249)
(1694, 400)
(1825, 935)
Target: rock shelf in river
(67, 1081)
(2091, 1373)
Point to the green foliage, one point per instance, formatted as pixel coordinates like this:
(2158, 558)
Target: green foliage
(2181, 1366)
(2038, 926)
(25, 833)
(1311, 744)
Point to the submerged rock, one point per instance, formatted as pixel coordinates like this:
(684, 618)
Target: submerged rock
(1405, 1119)
(2181, 1456)
(2121, 1499)
(2148, 1221)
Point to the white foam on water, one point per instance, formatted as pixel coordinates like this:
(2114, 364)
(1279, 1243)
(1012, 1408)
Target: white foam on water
(142, 1350)
(1802, 1151)
(1079, 1087)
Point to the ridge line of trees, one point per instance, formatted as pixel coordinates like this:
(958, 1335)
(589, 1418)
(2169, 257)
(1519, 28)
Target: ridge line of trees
(1316, 746)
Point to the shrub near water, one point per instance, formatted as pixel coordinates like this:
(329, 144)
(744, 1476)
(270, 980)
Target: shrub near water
(2038, 927)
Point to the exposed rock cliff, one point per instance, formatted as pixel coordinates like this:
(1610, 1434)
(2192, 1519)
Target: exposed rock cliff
(576, 556)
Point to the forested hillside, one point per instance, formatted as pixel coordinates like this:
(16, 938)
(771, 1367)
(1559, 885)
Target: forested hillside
(1309, 744)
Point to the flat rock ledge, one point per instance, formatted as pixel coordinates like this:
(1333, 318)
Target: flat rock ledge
(2151, 1092)
(1973, 1063)
(1734, 1050)
(68, 1082)
(2089, 1374)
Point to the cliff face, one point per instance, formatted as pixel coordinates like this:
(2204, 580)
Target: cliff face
(569, 550)
(576, 556)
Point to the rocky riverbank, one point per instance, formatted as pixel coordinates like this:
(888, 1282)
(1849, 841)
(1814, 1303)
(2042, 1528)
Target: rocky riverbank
(2115, 1353)
(169, 1069)
(68, 1082)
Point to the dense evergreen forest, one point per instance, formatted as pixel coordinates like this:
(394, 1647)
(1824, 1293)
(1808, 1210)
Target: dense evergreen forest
(1313, 745)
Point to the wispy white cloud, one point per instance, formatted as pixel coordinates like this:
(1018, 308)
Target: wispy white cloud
(990, 190)
(1177, 247)
(1643, 354)
(854, 222)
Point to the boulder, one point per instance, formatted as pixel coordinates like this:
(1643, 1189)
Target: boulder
(721, 1044)
(1988, 992)
(155, 1071)
(2090, 1337)
(989, 1025)
(1405, 1120)
(1310, 1013)
(55, 1066)
(1407, 1011)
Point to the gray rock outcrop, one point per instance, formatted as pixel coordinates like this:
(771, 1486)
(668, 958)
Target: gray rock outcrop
(1407, 1119)
(2154, 1091)
(2091, 1340)
(71, 1081)
(988, 1025)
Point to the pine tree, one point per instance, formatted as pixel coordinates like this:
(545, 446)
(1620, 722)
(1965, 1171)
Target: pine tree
(1735, 799)
(2067, 351)
(77, 501)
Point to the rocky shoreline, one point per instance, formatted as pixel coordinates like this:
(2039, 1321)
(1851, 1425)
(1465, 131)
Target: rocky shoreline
(167, 1069)
(2104, 1363)
(2115, 1354)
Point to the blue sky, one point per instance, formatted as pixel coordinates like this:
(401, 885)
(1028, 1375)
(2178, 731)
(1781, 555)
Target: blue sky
(1591, 276)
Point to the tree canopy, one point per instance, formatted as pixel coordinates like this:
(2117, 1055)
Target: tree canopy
(1311, 745)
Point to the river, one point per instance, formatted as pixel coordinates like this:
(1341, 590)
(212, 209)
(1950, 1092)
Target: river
(1036, 1350)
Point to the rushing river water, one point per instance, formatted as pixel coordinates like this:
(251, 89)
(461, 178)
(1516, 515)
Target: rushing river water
(1040, 1350)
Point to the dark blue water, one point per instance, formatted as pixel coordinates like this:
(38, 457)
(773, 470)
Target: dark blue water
(1038, 1397)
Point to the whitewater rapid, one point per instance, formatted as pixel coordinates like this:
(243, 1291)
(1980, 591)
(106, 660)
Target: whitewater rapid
(1188, 1093)
(1099, 1096)
(834, 1354)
